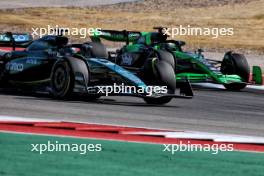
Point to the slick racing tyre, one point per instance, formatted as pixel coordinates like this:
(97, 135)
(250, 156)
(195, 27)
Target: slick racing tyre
(235, 86)
(160, 73)
(167, 57)
(62, 80)
(235, 64)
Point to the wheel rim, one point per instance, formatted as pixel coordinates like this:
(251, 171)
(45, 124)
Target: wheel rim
(60, 78)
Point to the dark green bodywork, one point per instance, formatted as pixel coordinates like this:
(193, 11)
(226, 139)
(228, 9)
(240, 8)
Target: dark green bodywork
(202, 70)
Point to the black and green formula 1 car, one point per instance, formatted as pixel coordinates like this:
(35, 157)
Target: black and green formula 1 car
(143, 47)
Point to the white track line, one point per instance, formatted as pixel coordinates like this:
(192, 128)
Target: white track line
(209, 85)
(220, 86)
(255, 87)
(23, 119)
(205, 136)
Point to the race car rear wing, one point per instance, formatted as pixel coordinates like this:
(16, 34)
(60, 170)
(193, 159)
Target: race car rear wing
(116, 36)
(15, 40)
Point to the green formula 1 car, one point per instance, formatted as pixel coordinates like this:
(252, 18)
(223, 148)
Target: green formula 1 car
(233, 71)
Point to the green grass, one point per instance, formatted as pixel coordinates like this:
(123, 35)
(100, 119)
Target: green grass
(119, 158)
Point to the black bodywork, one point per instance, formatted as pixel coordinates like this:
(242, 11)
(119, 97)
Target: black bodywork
(53, 65)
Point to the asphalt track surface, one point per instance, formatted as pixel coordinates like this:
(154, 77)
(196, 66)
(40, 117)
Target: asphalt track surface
(211, 110)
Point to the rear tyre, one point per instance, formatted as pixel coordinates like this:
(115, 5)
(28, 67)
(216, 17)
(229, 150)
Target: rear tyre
(166, 56)
(62, 80)
(235, 64)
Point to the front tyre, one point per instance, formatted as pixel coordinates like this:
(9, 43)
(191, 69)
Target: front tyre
(235, 64)
(62, 80)
(235, 86)
(161, 73)
(157, 101)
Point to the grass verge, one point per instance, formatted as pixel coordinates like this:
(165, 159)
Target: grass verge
(119, 158)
